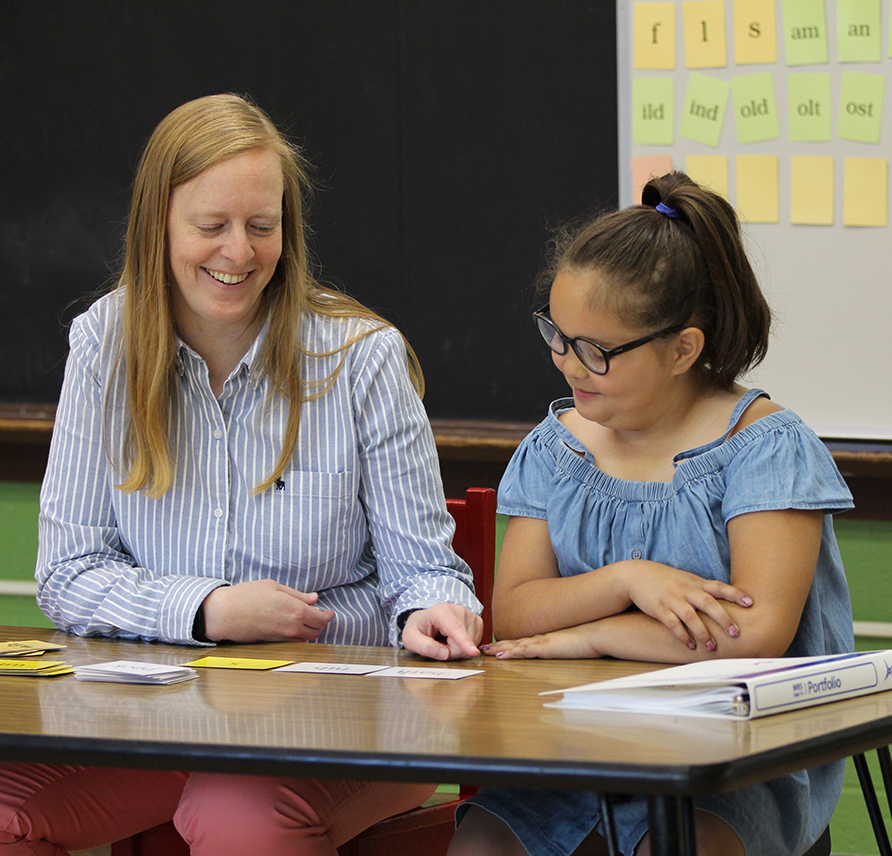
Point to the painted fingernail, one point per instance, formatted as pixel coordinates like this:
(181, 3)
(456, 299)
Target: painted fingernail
(747, 600)
(692, 645)
(710, 645)
(733, 630)
(500, 654)
(484, 647)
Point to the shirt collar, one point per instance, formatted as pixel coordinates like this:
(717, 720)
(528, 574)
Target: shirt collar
(249, 363)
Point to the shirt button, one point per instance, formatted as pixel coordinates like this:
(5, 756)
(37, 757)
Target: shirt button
(636, 554)
(218, 433)
(218, 512)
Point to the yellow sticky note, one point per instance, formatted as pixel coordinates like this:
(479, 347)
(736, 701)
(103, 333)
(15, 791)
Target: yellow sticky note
(653, 111)
(858, 31)
(703, 24)
(757, 189)
(755, 32)
(654, 25)
(809, 109)
(236, 663)
(805, 32)
(864, 201)
(646, 168)
(703, 112)
(811, 190)
(709, 170)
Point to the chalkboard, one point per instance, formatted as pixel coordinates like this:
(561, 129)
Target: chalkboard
(448, 137)
(830, 357)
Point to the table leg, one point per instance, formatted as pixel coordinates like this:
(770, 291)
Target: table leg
(873, 805)
(671, 826)
(609, 824)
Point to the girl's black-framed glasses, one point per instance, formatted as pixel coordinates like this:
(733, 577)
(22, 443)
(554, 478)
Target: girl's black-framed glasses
(595, 358)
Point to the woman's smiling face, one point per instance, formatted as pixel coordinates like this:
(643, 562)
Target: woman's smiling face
(224, 230)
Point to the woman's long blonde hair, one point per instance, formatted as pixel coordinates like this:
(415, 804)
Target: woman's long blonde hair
(194, 137)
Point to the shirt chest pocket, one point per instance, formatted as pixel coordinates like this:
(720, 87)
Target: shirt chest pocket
(308, 518)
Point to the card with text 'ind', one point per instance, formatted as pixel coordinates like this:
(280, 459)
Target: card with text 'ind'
(236, 663)
(333, 668)
(442, 674)
(704, 109)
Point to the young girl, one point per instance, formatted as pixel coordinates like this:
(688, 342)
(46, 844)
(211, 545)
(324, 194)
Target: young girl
(664, 513)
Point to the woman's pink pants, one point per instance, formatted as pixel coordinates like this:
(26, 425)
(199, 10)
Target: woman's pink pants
(49, 810)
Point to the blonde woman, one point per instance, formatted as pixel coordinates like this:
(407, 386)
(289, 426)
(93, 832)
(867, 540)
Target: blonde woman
(240, 454)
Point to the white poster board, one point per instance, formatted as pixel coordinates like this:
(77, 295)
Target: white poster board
(829, 285)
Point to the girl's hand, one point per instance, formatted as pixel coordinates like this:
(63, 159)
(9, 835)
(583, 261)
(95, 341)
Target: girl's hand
(572, 643)
(677, 598)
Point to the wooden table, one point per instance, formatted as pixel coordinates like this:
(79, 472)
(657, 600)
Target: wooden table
(489, 729)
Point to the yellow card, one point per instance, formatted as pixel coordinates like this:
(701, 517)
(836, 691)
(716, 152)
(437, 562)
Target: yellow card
(755, 32)
(34, 668)
(655, 35)
(805, 32)
(22, 647)
(709, 170)
(811, 190)
(858, 31)
(703, 23)
(757, 190)
(236, 663)
(646, 168)
(864, 192)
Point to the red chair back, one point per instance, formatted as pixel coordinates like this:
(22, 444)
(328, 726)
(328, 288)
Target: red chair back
(475, 542)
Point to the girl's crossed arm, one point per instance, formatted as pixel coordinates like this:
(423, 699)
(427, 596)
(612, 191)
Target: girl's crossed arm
(531, 597)
(773, 558)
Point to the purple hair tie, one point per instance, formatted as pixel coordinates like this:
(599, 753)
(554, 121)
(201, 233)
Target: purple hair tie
(671, 213)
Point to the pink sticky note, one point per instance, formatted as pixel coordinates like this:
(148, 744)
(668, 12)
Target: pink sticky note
(646, 168)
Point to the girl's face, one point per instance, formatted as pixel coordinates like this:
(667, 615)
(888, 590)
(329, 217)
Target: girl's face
(629, 396)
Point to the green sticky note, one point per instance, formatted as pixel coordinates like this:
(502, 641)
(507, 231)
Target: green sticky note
(808, 102)
(860, 107)
(889, 40)
(754, 107)
(858, 31)
(805, 32)
(703, 112)
(653, 114)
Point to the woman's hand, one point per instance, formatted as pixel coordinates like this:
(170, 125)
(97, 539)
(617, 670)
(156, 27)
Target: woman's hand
(446, 631)
(677, 599)
(263, 611)
(572, 643)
